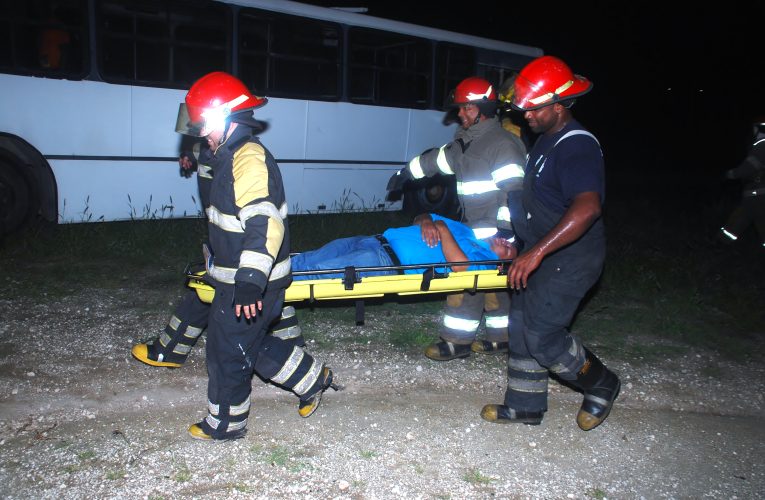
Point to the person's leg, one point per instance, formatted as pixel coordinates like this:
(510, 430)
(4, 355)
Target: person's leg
(182, 331)
(462, 317)
(756, 205)
(293, 368)
(358, 251)
(287, 328)
(738, 221)
(526, 393)
(232, 350)
(551, 301)
(496, 316)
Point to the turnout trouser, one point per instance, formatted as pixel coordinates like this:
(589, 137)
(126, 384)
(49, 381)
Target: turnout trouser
(539, 337)
(464, 311)
(237, 348)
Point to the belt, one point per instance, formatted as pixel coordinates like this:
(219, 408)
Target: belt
(389, 250)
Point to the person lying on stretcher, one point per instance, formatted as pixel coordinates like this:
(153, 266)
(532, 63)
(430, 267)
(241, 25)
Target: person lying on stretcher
(432, 239)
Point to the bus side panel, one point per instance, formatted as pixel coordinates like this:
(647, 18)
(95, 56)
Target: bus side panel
(67, 118)
(120, 190)
(285, 129)
(343, 131)
(152, 129)
(428, 131)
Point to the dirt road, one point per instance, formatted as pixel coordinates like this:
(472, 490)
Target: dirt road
(79, 418)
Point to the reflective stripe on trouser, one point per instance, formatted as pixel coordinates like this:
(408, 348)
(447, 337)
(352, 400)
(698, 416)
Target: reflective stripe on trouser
(234, 350)
(464, 311)
(287, 327)
(750, 211)
(526, 384)
(183, 328)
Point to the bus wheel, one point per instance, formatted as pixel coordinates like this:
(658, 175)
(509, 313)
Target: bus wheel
(435, 197)
(15, 195)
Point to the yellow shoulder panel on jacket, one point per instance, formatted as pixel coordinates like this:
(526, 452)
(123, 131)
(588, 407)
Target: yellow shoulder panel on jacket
(250, 174)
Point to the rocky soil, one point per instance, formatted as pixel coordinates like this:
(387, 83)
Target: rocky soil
(79, 418)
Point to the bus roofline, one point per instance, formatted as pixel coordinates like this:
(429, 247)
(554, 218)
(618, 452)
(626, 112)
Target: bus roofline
(342, 16)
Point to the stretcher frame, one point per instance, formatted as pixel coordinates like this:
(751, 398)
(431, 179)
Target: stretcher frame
(435, 278)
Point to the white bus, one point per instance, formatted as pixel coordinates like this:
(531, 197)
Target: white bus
(89, 93)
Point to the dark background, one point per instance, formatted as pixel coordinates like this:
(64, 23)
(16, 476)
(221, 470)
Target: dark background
(676, 86)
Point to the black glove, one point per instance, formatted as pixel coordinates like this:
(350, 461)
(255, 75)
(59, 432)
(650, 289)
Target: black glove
(397, 181)
(246, 293)
(186, 172)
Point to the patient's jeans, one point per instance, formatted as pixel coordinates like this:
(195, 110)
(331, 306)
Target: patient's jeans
(357, 251)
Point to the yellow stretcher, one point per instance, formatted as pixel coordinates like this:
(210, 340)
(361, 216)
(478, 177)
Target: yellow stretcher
(434, 278)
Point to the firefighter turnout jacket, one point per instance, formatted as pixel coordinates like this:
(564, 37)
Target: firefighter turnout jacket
(488, 163)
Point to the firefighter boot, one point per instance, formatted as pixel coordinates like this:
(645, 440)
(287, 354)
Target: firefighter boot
(444, 350)
(197, 431)
(502, 414)
(148, 353)
(310, 401)
(600, 386)
(487, 347)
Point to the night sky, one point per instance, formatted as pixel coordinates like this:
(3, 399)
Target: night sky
(673, 90)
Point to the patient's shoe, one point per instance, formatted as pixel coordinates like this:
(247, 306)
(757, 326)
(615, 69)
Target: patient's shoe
(487, 347)
(444, 350)
(310, 403)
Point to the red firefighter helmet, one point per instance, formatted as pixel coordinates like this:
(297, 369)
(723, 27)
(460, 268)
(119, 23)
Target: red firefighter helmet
(547, 80)
(473, 90)
(211, 101)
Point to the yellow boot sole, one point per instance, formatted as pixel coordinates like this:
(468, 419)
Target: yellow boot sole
(141, 353)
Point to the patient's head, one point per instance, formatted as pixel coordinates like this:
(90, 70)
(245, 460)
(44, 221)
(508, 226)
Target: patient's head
(503, 248)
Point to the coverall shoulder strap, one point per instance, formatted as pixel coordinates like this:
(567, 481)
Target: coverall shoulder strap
(571, 133)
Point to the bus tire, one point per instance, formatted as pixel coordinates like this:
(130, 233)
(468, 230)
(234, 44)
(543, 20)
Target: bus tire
(438, 196)
(16, 198)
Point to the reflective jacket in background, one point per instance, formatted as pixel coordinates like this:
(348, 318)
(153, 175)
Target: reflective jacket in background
(752, 169)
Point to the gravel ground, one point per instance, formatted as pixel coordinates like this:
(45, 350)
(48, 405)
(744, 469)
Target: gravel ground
(79, 418)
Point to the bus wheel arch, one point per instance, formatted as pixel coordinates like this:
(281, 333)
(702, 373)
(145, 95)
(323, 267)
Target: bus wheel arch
(27, 186)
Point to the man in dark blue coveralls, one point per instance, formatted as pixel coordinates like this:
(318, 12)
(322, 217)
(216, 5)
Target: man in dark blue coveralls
(564, 251)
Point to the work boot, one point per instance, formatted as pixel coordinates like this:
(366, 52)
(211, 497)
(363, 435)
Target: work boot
(310, 403)
(444, 350)
(501, 414)
(197, 432)
(487, 347)
(601, 387)
(147, 353)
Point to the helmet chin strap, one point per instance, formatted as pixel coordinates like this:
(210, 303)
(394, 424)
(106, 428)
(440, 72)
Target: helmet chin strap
(223, 137)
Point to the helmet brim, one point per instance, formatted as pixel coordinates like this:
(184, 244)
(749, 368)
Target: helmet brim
(527, 99)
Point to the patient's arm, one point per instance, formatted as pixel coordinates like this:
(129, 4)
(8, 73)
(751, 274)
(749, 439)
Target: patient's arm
(452, 251)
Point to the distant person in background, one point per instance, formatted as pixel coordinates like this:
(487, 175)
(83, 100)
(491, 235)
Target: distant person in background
(751, 209)
(563, 254)
(510, 119)
(53, 43)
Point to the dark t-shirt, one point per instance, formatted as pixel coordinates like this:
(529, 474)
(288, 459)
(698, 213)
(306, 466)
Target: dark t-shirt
(573, 166)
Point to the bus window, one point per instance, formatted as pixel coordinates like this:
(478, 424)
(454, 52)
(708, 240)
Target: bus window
(454, 63)
(289, 56)
(44, 38)
(170, 43)
(388, 69)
